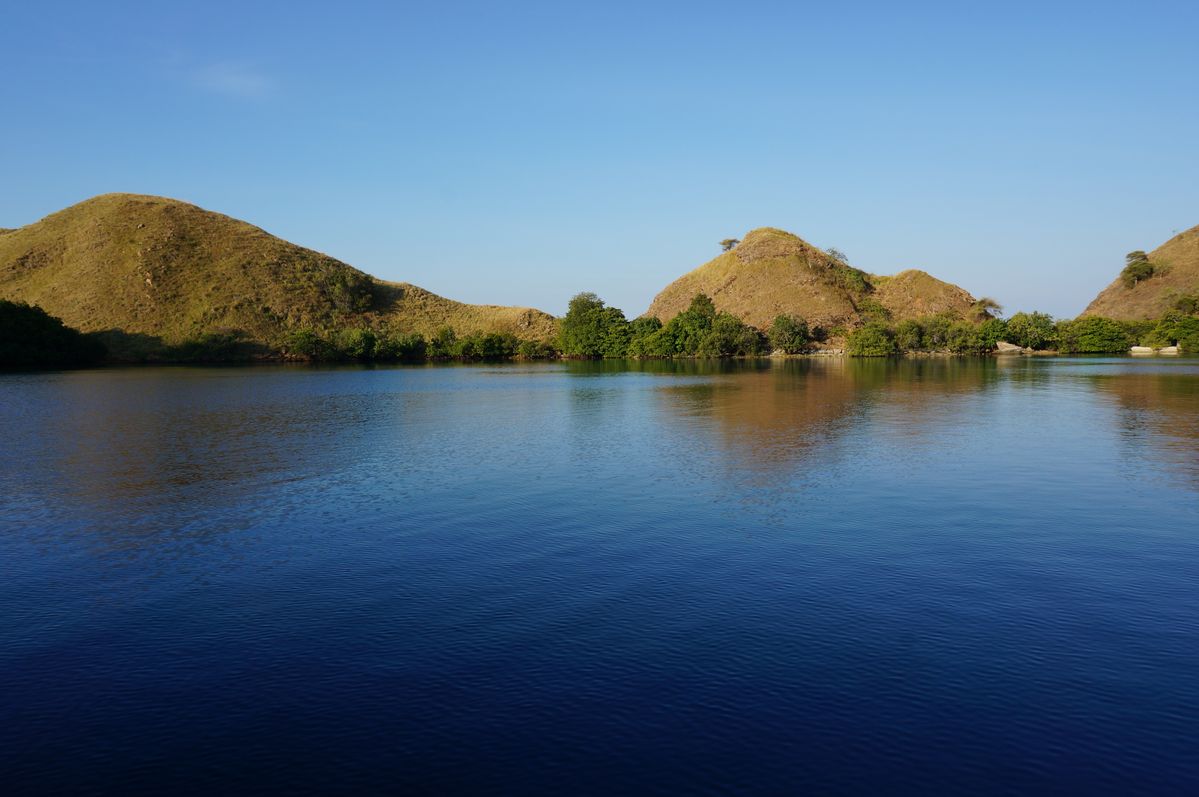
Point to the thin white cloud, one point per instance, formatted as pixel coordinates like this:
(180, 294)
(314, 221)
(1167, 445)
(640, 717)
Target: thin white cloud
(233, 80)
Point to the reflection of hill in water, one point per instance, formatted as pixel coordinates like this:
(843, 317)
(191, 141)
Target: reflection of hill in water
(1159, 406)
(171, 456)
(787, 410)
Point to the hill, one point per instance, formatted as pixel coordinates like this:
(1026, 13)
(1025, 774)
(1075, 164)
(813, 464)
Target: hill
(772, 272)
(169, 270)
(1175, 274)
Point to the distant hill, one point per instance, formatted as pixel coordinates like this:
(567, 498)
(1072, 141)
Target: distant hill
(158, 267)
(1175, 273)
(772, 272)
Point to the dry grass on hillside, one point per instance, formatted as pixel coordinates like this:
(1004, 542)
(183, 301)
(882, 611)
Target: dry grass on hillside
(914, 293)
(158, 267)
(773, 272)
(1176, 267)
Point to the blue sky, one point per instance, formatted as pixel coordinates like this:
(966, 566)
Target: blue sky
(518, 153)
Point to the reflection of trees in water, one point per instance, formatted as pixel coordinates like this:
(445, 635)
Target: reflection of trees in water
(790, 426)
(1158, 406)
(788, 410)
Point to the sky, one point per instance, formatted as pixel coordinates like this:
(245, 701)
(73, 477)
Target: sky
(522, 152)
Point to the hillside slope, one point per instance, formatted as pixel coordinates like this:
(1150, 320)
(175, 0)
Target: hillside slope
(1176, 272)
(163, 268)
(772, 272)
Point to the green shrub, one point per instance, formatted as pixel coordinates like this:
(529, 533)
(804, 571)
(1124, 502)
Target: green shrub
(640, 332)
(728, 337)
(909, 336)
(1093, 335)
(658, 343)
(1031, 330)
(873, 311)
(400, 347)
(990, 332)
(872, 340)
(1176, 329)
(938, 331)
(789, 334)
(535, 350)
(347, 290)
(443, 345)
(697, 331)
(964, 338)
(308, 344)
(1187, 303)
(356, 344)
(1139, 331)
(846, 276)
(491, 347)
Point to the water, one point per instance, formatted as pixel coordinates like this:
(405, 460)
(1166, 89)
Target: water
(928, 576)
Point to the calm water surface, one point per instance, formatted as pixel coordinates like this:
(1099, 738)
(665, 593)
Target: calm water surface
(969, 576)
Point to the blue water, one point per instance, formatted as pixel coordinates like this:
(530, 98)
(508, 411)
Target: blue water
(836, 577)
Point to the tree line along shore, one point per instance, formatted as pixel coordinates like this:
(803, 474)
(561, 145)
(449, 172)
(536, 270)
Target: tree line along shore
(32, 338)
(151, 279)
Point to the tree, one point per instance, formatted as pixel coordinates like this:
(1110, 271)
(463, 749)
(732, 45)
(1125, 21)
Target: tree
(656, 343)
(1093, 335)
(990, 332)
(938, 330)
(358, 344)
(909, 335)
(728, 243)
(687, 329)
(646, 338)
(872, 340)
(836, 255)
(1137, 268)
(969, 338)
(789, 334)
(985, 308)
(394, 346)
(590, 329)
(490, 346)
(306, 343)
(443, 344)
(1176, 329)
(1030, 330)
(701, 330)
(498, 346)
(702, 306)
(728, 336)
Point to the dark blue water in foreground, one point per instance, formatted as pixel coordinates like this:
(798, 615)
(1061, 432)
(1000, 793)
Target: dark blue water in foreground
(935, 576)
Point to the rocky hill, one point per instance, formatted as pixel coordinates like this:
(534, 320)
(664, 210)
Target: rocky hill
(157, 267)
(1174, 274)
(772, 272)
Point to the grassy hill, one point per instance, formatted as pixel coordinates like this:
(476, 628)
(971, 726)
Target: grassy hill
(773, 272)
(171, 271)
(1175, 274)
